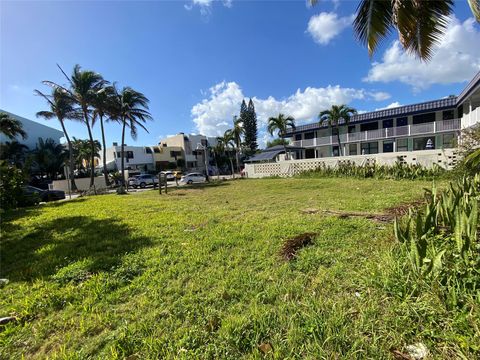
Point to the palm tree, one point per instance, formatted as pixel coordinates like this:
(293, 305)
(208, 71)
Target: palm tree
(11, 127)
(62, 108)
(237, 132)
(226, 143)
(84, 86)
(130, 108)
(281, 124)
(49, 157)
(420, 24)
(83, 153)
(102, 103)
(334, 116)
(14, 152)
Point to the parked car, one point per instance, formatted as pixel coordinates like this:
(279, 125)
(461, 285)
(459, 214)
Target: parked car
(33, 195)
(169, 174)
(143, 181)
(193, 178)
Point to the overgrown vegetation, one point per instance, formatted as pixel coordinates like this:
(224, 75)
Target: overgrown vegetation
(398, 171)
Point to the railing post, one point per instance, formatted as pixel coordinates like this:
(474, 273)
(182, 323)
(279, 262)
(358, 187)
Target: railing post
(409, 129)
(434, 127)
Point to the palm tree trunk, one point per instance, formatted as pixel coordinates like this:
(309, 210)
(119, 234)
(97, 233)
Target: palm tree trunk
(238, 160)
(122, 160)
(231, 165)
(339, 144)
(216, 164)
(104, 157)
(92, 146)
(73, 185)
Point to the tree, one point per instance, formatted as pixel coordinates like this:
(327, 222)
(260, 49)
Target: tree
(84, 86)
(225, 143)
(61, 107)
(130, 108)
(102, 104)
(249, 119)
(13, 152)
(83, 153)
(276, 142)
(49, 157)
(281, 123)
(334, 116)
(237, 132)
(11, 127)
(420, 24)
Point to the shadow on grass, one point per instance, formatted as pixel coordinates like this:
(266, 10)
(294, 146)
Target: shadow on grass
(62, 241)
(206, 185)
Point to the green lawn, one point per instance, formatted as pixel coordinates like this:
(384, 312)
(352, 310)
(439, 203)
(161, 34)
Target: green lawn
(197, 274)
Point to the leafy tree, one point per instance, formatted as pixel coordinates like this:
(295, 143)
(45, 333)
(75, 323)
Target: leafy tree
(14, 152)
(11, 183)
(49, 157)
(84, 86)
(334, 116)
(281, 123)
(11, 127)
(278, 141)
(237, 132)
(130, 108)
(420, 24)
(225, 144)
(83, 153)
(61, 107)
(249, 119)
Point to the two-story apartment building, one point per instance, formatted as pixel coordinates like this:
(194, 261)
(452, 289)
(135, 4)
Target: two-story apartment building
(425, 126)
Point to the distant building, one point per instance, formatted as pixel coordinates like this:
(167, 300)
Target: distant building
(137, 158)
(34, 131)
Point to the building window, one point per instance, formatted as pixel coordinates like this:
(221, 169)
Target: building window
(387, 123)
(309, 153)
(334, 131)
(128, 154)
(403, 121)
(424, 143)
(402, 144)
(351, 129)
(309, 135)
(156, 150)
(449, 141)
(352, 149)
(148, 150)
(423, 118)
(448, 115)
(387, 146)
(298, 137)
(369, 126)
(369, 148)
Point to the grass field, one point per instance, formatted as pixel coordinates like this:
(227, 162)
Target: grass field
(197, 273)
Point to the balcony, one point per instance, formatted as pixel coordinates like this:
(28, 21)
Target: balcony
(408, 130)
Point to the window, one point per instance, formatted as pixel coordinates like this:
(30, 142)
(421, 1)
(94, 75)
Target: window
(423, 118)
(387, 146)
(148, 150)
(309, 153)
(424, 143)
(309, 135)
(449, 141)
(403, 121)
(352, 149)
(128, 154)
(387, 123)
(114, 154)
(369, 126)
(334, 131)
(370, 148)
(156, 150)
(298, 137)
(351, 129)
(402, 144)
(335, 151)
(448, 115)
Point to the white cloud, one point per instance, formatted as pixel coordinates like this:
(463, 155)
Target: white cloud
(205, 5)
(390, 106)
(325, 26)
(213, 115)
(380, 95)
(456, 59)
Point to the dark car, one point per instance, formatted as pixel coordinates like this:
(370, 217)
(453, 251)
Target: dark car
(33, 195)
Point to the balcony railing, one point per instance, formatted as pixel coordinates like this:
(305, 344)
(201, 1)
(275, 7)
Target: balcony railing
(408, 130)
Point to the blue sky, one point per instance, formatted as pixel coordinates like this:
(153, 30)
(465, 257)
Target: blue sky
(195, 60)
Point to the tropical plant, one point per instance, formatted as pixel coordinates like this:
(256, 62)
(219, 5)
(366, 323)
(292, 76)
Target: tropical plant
(49, 157)
(225, 144)
(130, 108)
(276, 142)
(14, 152)
(62, 107)
(82, 152)
(281, 124)
(84, 86)
(237, 132)
(337, 115)
(420, 24)
(11, 183)
(11, 127)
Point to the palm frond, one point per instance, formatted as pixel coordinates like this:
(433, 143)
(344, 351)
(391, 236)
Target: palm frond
(475, 7)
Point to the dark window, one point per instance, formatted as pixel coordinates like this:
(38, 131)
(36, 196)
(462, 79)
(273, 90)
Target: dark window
(423, 118)
(460, 111)
(335, 151)
(298, 137)
(351, 129)
(334, 131)
(128, 154)
(449, 141)
(148, 150)
(352, 149)
(424, 143)
(156, 150)
(448, 115)
(369, 126)
(402, 145)
(309, 135)
(369, 148)
(387, 146)
(309, 153)
(403, 121)
(387, 123)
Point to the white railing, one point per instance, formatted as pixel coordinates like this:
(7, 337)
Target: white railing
(418, 129)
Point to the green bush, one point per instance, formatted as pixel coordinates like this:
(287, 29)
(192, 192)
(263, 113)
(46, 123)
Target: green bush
(11, 182)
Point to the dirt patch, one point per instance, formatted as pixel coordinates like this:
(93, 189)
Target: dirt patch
(402, 209)
(292, 245)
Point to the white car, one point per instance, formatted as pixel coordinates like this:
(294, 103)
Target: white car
(142, 181)
(193, 178)
(169, 175)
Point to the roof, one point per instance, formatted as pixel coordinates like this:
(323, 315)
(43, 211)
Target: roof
(271, 153)
(472, 85)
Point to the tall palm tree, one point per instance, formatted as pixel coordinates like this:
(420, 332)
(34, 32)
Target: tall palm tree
(130, 108)
(11, 127)
(226, 143)
(237, 132)
(281, 123)
(62, 108)
(102, 103)
(334, 117)
(84, 85)
(14, 152)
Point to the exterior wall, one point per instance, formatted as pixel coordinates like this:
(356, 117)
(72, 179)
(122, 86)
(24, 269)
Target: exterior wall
(140, 160)
(82, 184)
(446, 158)
(34, 131)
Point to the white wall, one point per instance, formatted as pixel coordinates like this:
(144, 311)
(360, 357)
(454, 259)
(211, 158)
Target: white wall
(140, 156)
(82, 184)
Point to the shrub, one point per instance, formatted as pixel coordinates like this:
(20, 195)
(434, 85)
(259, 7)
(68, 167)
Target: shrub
(11, 182)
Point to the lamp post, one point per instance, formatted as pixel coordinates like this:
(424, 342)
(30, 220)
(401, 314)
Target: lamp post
(205, 149)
